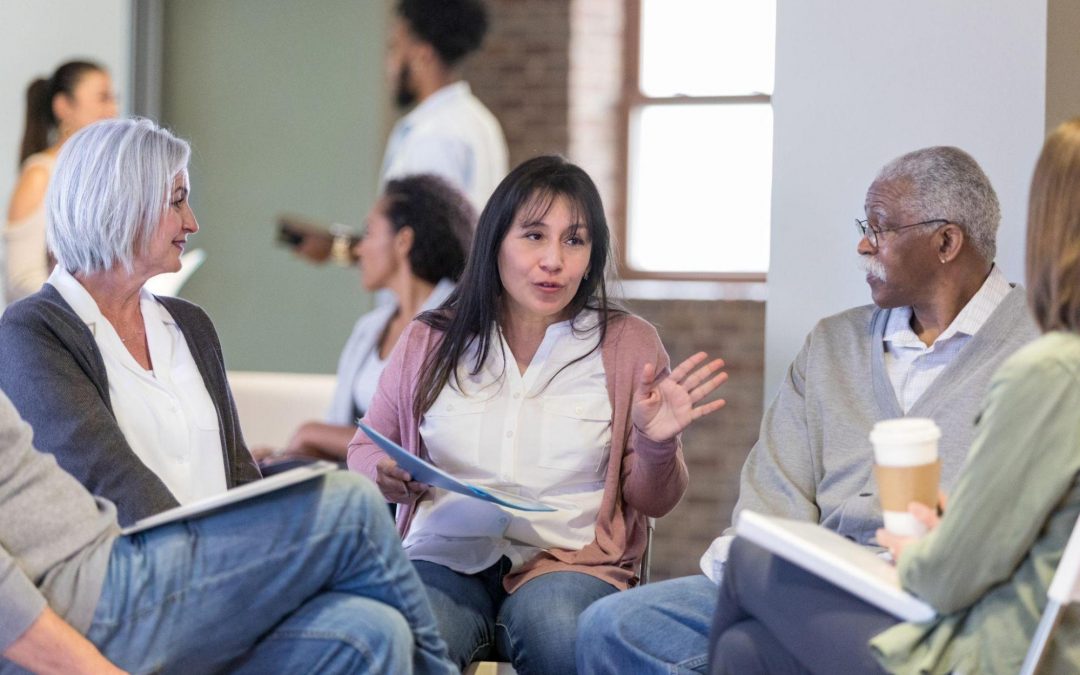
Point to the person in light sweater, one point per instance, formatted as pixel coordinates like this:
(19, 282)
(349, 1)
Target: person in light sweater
(528, 380)
(943, 319)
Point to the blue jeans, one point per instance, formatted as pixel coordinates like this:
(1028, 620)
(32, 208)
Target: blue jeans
(533, 628)
(658, 628)
(310, 579)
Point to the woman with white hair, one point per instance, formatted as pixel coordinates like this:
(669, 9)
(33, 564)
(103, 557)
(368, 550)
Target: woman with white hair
(126, 389)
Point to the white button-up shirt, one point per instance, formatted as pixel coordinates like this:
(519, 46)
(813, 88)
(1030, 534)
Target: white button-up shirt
(453, 135)
(913, 366)
(166, 414)
(544, 434)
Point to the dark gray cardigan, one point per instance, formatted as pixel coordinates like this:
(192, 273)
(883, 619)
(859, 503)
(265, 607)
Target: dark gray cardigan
(51, 369)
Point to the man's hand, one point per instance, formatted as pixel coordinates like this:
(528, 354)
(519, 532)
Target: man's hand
(50, 645)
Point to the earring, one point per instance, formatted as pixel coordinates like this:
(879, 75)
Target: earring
(942, 261)
(586, 276)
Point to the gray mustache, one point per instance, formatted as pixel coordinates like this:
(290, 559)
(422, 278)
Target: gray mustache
(872, 266)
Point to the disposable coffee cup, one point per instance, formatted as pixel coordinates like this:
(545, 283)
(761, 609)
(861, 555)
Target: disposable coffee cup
(907, 469)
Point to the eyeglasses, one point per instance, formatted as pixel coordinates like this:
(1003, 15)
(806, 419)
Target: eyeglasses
(871, 234)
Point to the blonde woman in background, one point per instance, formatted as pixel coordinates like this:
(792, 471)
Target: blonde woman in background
(78, 93)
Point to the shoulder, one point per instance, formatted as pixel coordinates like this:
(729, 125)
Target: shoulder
(630, 334)
(30, 189)
(457, 123)
(42, 160)
(44, 308)
(857, 319)
(418, 339)
(185, 311)
(1016, 312)
(192, 319)
(474, 108)
(1054, 355)
(374, 320)
(627, 326)
(440, 293)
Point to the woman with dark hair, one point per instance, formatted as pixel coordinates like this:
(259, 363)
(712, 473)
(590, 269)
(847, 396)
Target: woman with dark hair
(527, 380)
(987, 562)
(415, 242)
(77, 94)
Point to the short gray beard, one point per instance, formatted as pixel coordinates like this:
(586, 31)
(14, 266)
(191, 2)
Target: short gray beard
(872, 266)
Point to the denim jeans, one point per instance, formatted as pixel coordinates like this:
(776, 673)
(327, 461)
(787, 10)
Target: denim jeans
(658, 628)
(310, 579)
(533, 628)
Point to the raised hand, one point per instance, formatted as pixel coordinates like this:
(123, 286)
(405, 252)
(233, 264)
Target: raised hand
(663, 409)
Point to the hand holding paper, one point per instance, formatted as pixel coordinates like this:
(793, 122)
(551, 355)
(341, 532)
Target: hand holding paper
(396, 484)
(421, 472)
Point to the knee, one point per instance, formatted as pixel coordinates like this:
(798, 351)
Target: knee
(600, 620)
(735, 651)
(365, 631)
(351, 493)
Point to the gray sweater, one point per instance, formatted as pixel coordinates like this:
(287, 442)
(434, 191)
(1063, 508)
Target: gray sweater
(813, 460)
(55, 538)
(52, 370)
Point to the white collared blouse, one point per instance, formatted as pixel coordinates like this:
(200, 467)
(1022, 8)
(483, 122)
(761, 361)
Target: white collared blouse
(537, 434)
(166, 414)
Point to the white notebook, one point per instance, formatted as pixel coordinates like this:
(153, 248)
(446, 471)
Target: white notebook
(242, 493)
(840, 561)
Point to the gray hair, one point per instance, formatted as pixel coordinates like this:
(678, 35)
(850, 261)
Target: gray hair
(112, 183)
(948, 183)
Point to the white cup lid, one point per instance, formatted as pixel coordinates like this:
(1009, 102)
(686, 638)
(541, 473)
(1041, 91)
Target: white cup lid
(905, 430)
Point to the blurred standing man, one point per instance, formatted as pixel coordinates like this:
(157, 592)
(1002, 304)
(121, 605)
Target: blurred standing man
(449, 132)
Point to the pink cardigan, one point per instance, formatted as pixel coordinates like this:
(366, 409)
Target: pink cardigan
(643, 478)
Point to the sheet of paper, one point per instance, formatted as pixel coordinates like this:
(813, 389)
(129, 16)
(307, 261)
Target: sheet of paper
(840, 561)
(425, 472)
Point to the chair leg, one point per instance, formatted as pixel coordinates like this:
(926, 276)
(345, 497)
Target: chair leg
(1049, 621)
(646, 559)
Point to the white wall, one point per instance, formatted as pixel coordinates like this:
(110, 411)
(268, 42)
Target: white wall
(859, 83)
(38, 35)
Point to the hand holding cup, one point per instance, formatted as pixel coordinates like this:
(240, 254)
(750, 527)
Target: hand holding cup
(907, 469)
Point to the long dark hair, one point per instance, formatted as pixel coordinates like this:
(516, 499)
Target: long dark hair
(472, 310)
(40, 120)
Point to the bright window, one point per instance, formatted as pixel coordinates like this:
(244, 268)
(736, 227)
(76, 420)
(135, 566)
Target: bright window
(700, 138)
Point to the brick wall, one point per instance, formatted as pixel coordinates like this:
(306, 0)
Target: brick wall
(715, 446)
(596, 89)
(551, 72)
(522, 74)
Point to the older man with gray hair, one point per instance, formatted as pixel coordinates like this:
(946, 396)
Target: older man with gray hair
(944, 317)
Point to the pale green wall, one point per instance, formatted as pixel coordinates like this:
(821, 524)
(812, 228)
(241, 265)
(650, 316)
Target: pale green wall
(285, 107)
